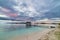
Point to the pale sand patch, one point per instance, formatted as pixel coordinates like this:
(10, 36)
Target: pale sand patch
(33, 36)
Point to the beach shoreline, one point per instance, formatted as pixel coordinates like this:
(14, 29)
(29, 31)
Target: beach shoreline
(33, 36)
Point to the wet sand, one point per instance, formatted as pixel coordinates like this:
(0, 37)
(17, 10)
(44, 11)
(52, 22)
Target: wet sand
(32, 36)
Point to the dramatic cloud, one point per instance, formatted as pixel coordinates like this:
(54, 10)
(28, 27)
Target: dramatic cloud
(32, 8)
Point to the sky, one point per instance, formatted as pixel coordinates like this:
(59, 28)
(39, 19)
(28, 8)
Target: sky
(35, 9)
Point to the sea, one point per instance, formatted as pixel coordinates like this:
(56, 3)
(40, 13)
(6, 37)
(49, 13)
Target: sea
(8, 31)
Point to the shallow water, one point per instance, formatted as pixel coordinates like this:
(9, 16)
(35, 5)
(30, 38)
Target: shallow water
(5, 35)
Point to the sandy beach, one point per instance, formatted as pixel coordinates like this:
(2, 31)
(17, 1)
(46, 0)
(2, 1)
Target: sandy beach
(33, 36)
